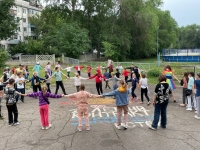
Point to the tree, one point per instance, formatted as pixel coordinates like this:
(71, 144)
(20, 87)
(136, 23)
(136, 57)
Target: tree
(3, 57)
(8, 23)
(68, 38)
(189, 36)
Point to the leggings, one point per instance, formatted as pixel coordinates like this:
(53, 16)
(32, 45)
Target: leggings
(99, 88)
(60, 83)
(144, 92)
(48, 87)
(133, 92)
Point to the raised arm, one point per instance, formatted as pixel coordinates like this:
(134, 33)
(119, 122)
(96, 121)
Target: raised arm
(30, 95)
(70, 95)
(92, 76)
(113, 93)
(65, 75)
(93, 95)
(55, 95)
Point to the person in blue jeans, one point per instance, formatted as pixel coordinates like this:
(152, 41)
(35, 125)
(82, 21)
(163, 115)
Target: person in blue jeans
(161, 99)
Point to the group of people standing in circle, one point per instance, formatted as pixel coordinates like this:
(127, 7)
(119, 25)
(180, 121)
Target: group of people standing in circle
(163, 90)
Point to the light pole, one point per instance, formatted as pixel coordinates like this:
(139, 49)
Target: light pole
(157, 39)
(157, 46)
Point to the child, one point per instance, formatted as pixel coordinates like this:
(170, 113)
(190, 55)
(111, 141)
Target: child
(1, 97)
(134, 81)
(27, 72)
(68, 70)
(160, 101)
(48, 68)
(82, 101)
(144, 88)
(184, 85)
(107, 76)
(122, 101)
(37, 68)
(77, 81)
(43, 105)
(35, 82)
(10, 95)
(20, 86)
(189, 87)
(78, 69)
(47, 76)
(125, 73)
(197, 87)
(89, 70)
(117, 73)
(98, 78)
(114, 79)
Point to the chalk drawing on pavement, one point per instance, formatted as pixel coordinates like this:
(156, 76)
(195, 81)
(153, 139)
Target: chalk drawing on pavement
(137, 116)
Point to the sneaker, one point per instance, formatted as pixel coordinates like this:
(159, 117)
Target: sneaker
(174, 101)
(189, 109)
(125, 127)
(16, 123)
(48, 127)
(79, 128)
(182, 105)
(88, 128)
(148, 103)
(141, 102)
(196, 117)
(10, 124)
(43, 128)
(119, 127)
(22, 101)
(152, 128)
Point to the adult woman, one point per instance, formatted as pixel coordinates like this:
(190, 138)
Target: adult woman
(58, 75)
(184, 85)
(168, 72)
(160, 101)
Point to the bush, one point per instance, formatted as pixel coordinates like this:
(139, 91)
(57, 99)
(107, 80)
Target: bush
(154, 73)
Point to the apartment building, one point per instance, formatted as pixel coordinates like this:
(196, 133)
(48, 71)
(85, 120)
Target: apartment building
(22, 10)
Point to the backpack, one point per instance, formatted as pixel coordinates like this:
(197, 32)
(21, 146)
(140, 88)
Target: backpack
(9, 96)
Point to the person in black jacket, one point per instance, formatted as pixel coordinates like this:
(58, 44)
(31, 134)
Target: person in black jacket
(135, 82)
(35, 82)
(136, 71)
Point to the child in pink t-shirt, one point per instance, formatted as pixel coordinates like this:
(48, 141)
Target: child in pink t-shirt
(82, 102)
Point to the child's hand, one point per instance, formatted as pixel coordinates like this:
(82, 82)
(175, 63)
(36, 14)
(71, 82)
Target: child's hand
(63, 95)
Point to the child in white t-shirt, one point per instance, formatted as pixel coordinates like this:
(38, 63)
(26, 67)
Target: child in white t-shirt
(144, 88)
(77, 81)
(20, 86)
(68, 70)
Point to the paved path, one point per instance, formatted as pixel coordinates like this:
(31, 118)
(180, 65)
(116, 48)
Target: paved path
(182, 133)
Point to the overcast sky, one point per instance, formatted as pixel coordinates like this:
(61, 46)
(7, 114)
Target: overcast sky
(185, 12)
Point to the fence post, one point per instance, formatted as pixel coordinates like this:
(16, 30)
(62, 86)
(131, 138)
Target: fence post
(63, 57)
(36, 59)
(20, 59)
(54, 60)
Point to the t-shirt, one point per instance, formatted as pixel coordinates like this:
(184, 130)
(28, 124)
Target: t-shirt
(20, 82)
(18, 70)
(190, 83)
(197, 83)
(144, 84)
(162, 92)
(58, 75)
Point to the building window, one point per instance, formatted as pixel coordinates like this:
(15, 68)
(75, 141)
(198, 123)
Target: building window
(25, 29)
(17, 9)
(24, 11)
(19, 37)
(24, 19)
(32, 12)
(18, 28)
(32, 29)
